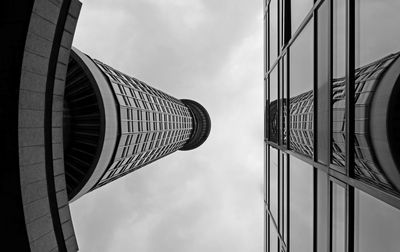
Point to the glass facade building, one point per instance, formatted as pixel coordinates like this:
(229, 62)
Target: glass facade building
(332, 156)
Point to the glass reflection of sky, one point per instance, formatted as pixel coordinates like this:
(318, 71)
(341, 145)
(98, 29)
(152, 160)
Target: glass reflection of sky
(301, 62)
(273, 29)
(377, 225)
(378, 26)
(338, 218)
(273, 238)
(273, 184)
(301, 206)
(299, 9)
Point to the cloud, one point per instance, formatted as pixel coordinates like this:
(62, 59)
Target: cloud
(207, 199)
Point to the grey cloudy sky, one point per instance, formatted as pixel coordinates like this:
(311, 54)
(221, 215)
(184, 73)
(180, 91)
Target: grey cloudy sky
(208, 199)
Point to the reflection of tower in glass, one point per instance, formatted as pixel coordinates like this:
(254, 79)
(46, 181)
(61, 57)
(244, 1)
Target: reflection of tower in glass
(367, 80)
(368, 166)
(301, 123)
(115, 124)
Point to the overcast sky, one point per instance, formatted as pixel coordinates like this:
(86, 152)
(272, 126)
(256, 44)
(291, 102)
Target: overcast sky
(207, 199)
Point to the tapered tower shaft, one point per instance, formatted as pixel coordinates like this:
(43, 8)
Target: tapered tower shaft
(115, 124)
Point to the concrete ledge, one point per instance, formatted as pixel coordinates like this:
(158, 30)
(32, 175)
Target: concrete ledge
(48, 10)
(30, 118)
(62, 198)
(71, 244)
(36, 209)
(36, 185)
(63, 54)
(58, 151)
(42, 27)
(32, 81)
(31, 155)
(59, 181)
(33, 173)
(58, 103)
(57, 119)
(35, 63)
(57, 135)
(39, 227)
(34, 191)
(31, 136)
(58, 166)
(31, 100)
(46, 243)
(39, 45)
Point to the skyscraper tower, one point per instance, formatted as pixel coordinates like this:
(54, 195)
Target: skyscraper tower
(115, 124)
(71, 124)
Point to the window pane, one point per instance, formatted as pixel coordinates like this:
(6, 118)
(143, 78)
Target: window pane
(266, 149)
(301, 92)
(273, 182)
(266, 225)
(299, 9)
(283, 99)
(301, 206)
(338, 218)
(377, 46)
(273, 238)
(377, 225)
(283, 197)
(323, 78)
(273, 31)
(375, 34)
(338, 85)
(273, 106)
(339, 38)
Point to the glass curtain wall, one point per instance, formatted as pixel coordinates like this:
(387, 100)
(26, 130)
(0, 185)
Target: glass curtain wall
(331, 147)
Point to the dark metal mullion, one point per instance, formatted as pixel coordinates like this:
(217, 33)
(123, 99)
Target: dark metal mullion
(330, 127)
(350, 42)
(350, 64)
(266, 99)
(315, 85)
(267, 75)
(268, 178)
(280, 69)
(268, 228)
(287, 75)
(315, 126)
(288, 204)
(278, 66)
(266, 198)
(315, 207)
(279, 200)
(284, 165)
(286, 62)
(287, 99)
(330, 214)
(350, 207)
(330, 79)
(286, 223)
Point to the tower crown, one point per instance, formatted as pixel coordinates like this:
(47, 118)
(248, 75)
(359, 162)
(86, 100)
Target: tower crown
(201, 125)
